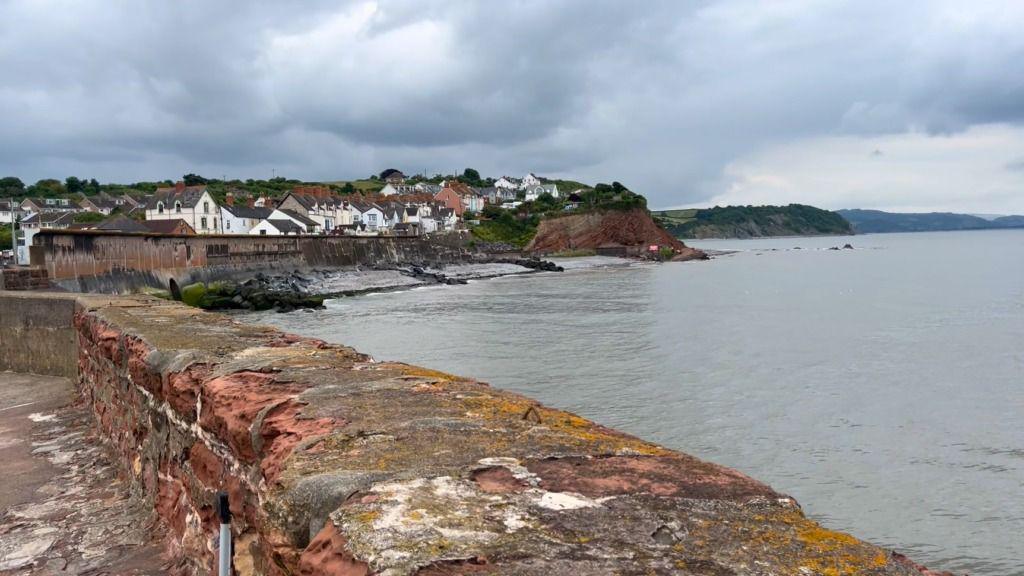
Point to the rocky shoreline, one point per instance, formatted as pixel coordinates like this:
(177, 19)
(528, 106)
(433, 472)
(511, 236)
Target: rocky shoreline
(289, 291)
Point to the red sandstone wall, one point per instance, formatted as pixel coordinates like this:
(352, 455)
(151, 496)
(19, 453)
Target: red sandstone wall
(450, 475)
(184, 435)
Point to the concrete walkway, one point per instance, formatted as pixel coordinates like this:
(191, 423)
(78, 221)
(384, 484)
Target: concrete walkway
(62, 508)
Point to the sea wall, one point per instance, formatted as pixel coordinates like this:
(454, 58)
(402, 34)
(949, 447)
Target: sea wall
(24, 279)
(338, 464)
(36, 334)
(117, 262)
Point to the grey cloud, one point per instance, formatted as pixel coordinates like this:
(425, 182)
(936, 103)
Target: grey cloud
(661, 96)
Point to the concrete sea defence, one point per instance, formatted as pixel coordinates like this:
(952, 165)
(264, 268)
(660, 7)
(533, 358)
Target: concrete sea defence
(119, 262)
(339, 464)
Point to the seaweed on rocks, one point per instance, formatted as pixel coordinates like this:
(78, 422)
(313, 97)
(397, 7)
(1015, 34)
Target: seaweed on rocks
(283, 293)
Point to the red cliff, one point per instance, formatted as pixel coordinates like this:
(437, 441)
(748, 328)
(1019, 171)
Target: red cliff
(624, 232)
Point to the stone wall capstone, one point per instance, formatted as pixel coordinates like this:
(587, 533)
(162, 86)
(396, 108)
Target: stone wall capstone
(338, 464)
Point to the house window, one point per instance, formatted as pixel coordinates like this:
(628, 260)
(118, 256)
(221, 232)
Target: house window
(263, 232)
(177, 207)
(214, 223)
(371, 218)
(206, 207)
(202, 222)
(227, 225)
(159, 207)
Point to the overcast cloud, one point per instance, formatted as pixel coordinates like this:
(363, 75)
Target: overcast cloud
(893, 105)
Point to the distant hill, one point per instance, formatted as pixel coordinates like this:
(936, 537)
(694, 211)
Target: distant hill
(752, 222)
(875, 221)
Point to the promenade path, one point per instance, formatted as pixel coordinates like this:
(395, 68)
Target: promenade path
(62, 508)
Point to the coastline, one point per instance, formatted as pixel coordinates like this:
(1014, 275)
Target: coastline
(290, 291)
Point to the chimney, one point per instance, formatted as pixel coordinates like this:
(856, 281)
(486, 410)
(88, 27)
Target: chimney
(251, 201)
(179, 186)
(229, 199)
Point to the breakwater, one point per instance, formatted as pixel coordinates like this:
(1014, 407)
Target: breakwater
(118, 262)
(339, 464)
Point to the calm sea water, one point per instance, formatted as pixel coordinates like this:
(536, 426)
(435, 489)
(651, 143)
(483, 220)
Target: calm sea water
(882, 387)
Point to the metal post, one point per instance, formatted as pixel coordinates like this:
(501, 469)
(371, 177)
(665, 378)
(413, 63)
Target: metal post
(14, 233)
(225, 534)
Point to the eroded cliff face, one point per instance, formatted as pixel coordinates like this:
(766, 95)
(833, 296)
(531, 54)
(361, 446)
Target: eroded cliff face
(338, 464)
(634, 229)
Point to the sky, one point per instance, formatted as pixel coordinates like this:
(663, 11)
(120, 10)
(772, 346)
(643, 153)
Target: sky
(907, 106)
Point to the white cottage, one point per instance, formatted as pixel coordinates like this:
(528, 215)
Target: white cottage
(193, 204)
(528, 180)
(242, 219)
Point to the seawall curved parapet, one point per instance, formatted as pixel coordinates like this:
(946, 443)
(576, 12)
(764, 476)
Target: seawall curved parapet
(339, 464)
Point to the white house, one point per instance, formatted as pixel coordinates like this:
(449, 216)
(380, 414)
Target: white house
(507, 183)
(7, 209)
(393, 189)
(447, 218)
(274, 227)
(242, 219)
(342, 212)
(528, 180)
(306, 224)
(36, 222)
(193, 204)
(369, 214)
(395, 214)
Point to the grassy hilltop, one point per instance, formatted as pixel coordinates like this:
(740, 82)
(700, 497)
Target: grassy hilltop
(752, 221)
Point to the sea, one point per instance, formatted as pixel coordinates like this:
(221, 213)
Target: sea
(881, 386)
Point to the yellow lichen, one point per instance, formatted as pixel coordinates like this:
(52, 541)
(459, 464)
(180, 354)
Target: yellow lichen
(367, 517)
(581, 430)
(832, 553)
(417, 371)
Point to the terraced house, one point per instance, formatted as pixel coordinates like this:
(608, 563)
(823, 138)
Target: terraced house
(318, 204)
(193, 204)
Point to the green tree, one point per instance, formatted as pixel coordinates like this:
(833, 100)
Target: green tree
(74, 185)
(471, 176)
(493, 212)
(11, 186)
(47, 188)
(92, 187)
(193, 180)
